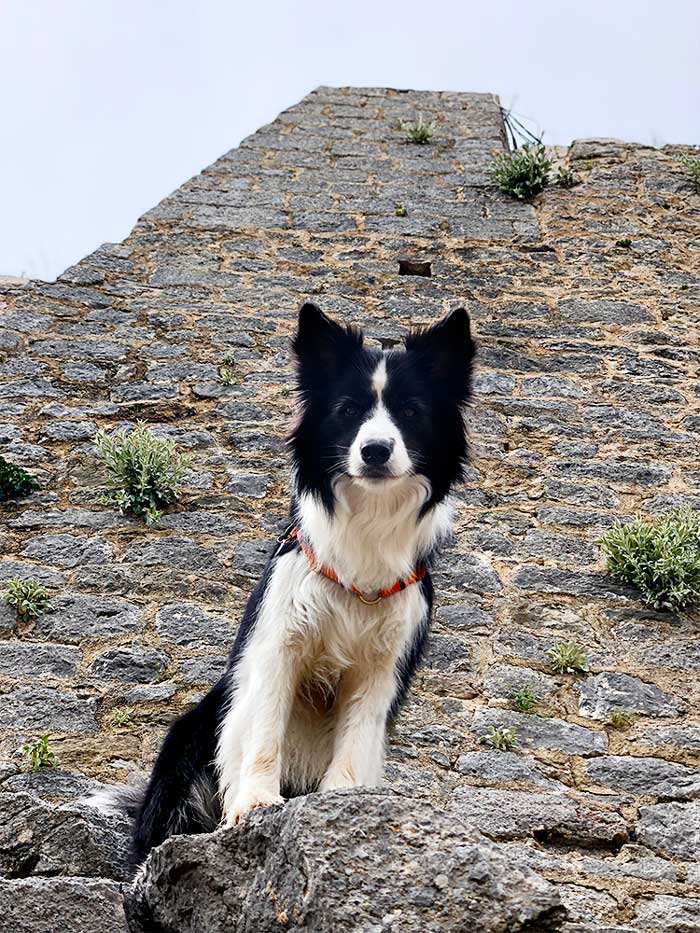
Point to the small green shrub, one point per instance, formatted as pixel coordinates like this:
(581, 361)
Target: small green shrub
(226, 373)
(502, 739)
(523, 173)
(524, 699)
(29, 597)
(143, 471)
(660, 557)
(15, 482)
(420, 132)
(566, 177)
(38, 754)
(624, 244)
(400, 209)
(692, 165)
(121, 716)
(567, 657)
(621, 718)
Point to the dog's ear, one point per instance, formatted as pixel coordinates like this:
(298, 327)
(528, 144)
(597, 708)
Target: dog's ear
(322, 346)
(446, 351)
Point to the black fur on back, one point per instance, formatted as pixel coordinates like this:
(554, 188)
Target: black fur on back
(186, 758)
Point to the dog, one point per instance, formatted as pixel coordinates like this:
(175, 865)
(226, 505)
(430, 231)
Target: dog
(333, 633)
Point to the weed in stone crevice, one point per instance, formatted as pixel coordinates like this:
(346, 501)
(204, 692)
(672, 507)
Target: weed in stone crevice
(501, 739)
(524, 699)
(566, 177)
(400, 209)
(144, 472)
(38, 755)
(624, 244)
(29, 598)
(621, 718)
(226, 372)
(15, 483)
(692, 166)
(421, 132)
(567, 657)
(521, 174)
(121, 716)
(660, 557)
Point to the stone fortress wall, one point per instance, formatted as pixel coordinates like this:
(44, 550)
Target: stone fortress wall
(587, 408)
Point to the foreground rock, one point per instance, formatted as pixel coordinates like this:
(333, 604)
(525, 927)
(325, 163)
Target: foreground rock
(346, 861)
(61, 905)
(38, 838)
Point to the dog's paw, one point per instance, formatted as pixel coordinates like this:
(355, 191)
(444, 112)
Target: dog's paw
(245, 802)
(338, 779)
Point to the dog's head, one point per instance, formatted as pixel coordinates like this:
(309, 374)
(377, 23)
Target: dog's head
(380, 417)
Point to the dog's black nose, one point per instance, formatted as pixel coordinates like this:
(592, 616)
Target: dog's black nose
(376, 453)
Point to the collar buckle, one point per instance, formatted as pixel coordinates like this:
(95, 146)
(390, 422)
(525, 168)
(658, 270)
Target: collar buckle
(368, 602)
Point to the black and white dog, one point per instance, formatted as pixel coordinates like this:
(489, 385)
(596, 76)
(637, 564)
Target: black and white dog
(333, 634)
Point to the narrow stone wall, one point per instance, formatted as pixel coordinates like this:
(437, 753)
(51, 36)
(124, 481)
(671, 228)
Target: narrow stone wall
(586, 305)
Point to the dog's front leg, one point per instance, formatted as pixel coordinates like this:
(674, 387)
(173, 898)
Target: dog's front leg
(364, 701)
(249, 756)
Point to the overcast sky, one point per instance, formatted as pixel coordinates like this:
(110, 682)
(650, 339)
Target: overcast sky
(107, 106)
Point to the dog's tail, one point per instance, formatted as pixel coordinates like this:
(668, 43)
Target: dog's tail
(122, 799)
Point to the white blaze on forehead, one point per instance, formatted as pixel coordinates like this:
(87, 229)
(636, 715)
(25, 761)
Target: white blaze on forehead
(380, 426)
(379, 378)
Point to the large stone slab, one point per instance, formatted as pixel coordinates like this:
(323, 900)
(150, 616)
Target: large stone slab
(61, 905)
(516, 814)
(38, 838)
(359, 862)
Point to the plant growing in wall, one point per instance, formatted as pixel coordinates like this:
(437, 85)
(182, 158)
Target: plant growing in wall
(621, 718)
(122, 715)
(660, 557)
(15, 482)
(692, 166)
(567, 657)
(524, 699)
(226, 370)
(144, 472)
(566, 177)
(38, 755)
(501, 739)
(29, 597)
(521, 174)
(421, 132)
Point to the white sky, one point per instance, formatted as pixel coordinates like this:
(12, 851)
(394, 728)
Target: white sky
(108, 105)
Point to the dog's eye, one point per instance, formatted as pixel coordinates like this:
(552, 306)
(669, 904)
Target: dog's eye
(409, 411)
(349, 410)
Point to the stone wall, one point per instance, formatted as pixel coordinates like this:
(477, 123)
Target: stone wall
(586, 305)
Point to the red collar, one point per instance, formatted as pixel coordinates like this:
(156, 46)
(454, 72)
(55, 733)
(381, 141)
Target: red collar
(328, 572)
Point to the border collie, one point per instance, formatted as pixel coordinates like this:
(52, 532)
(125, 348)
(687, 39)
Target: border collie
(334, 631)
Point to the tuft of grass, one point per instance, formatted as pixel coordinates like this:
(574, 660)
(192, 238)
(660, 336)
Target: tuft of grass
(624, 244)
(144, 472)
(502, 739)
(29, 597)
(420, 132)
(38, 754)
(567, 657)
(226, 373)
(660, 557)
(621, 718)
(15, 483)
(524, 699)
(692, 166)
(400, 209)
(566, 177)
(521, 174)
(121, 715)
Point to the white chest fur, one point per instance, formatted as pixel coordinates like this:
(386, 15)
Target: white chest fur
(313, 686)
